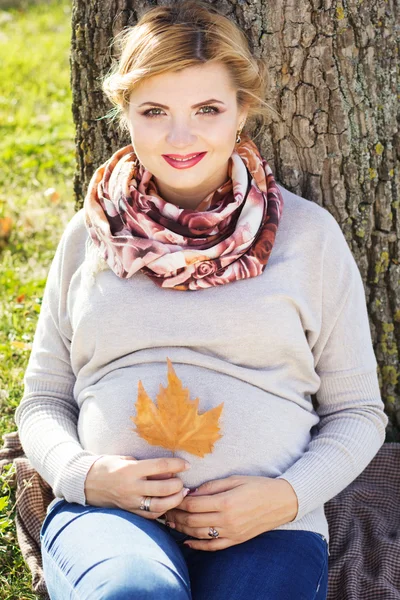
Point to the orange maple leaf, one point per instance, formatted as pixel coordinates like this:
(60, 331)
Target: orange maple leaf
(6, 224)
(175, 423)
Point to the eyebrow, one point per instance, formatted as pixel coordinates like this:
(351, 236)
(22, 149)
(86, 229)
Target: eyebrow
(212, 100)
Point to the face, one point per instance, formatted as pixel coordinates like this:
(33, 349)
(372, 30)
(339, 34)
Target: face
(183, 129)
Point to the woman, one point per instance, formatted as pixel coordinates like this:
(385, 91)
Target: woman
(279, 316)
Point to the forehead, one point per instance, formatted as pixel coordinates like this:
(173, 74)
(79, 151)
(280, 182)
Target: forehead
(207, 81)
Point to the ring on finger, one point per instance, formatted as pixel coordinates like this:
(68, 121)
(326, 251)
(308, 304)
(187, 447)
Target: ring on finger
(212, 532)
(145, 503)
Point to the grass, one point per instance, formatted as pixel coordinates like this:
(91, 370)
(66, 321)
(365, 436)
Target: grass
(37, 157)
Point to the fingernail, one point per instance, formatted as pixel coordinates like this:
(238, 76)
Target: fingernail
(187, 465)
(193, 490)
(185, 491)
(170, 524)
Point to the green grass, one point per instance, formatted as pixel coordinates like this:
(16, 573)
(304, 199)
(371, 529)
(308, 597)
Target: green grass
(37, 157)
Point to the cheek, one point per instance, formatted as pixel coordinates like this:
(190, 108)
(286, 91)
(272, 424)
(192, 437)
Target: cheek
(220, 128)
(148, 142)
(147, 132)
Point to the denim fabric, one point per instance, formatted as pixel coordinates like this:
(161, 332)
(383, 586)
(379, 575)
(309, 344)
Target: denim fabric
(101, 553)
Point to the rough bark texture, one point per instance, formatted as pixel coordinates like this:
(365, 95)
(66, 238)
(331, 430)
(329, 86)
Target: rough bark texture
(335, 81)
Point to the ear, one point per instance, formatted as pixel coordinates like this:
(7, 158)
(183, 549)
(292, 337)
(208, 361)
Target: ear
(243, 116)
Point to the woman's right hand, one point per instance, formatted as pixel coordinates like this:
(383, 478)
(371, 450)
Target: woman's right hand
(122, 482)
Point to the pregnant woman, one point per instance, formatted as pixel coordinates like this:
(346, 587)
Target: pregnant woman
(188, 250)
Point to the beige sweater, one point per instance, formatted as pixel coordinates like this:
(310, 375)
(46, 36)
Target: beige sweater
(262, 345)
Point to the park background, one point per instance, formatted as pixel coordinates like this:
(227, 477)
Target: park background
(37, 163)
(46, 159)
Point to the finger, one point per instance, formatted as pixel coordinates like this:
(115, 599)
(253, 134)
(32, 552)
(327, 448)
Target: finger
(154, 466)
(208, 545)
(188, 522)
(216, 486)
(162, 505)
(203, 504)
(162, 476)
(201, 531)
(159, 487)
(147, 514)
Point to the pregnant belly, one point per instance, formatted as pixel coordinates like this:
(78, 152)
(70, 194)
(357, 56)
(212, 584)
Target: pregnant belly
(262, 434)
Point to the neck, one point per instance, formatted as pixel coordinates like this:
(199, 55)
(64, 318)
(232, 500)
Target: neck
(192, 197)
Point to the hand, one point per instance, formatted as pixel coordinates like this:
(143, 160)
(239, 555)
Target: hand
(122, 482)
(239, 507)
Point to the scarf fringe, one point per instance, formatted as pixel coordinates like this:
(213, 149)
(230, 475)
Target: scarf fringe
(94, 262)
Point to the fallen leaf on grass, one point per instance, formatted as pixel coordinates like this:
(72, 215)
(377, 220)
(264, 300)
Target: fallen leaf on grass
(22, 345)
(52, 194)
(6, 224)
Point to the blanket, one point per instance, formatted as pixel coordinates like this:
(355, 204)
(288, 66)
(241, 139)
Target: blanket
(363, 520)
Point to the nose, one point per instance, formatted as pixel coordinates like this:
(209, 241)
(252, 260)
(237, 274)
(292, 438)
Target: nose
(180, 135)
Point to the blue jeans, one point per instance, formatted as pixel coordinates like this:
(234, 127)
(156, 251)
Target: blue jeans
(101, 553)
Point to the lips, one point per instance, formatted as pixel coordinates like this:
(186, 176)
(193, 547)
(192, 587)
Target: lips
(183, 156)
(183, 164)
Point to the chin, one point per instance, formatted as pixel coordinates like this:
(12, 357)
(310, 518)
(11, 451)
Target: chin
(181, 178)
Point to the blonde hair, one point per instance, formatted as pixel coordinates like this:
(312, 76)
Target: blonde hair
(180, 35)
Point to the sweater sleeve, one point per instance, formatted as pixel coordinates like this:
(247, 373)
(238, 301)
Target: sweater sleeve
(47, 415)
(352, 419)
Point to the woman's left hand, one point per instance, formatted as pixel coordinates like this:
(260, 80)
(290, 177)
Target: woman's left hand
(239, 507)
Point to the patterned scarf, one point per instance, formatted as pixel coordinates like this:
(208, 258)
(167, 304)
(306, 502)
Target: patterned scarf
(229, 235)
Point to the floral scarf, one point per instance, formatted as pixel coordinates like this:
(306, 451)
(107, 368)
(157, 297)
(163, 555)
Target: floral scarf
(229, 235)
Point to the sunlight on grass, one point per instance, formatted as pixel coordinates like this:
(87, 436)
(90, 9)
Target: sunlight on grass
(37, 150)
(37, 135)
(37, 157)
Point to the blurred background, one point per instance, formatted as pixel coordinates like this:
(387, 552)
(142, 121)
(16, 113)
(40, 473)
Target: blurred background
(37, 162)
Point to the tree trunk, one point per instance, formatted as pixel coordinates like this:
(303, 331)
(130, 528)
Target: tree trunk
(334, 79)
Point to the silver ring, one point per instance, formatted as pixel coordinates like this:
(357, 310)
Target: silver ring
(145, 503)
(212, 532)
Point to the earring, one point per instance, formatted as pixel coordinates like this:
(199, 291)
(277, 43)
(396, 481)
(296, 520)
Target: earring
(238, 138)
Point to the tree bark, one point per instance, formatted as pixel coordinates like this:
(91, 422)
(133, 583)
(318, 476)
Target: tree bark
(334, 79)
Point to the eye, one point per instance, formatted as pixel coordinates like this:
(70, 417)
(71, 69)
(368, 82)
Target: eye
(149, 112)
(214, 109)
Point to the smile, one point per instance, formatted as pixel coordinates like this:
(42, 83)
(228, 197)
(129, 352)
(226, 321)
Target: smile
(184, 163)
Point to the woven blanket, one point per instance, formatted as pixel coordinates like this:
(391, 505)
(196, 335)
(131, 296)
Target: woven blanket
(364, 525)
